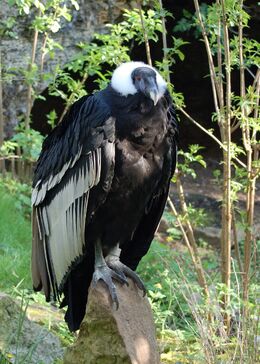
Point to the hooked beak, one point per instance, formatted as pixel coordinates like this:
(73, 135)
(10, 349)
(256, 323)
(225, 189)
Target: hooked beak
(149, 88)
(153, 94)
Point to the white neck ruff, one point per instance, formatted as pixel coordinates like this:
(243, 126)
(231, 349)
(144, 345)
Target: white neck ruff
(122, 82)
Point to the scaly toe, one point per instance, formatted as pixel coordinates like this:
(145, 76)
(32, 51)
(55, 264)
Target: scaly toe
(123, 271)
(114, 266)
(105, 274)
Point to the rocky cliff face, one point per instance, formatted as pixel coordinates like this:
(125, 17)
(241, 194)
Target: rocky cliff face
(91, 17)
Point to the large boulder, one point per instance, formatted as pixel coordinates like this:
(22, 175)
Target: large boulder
(110, 336)
(23, 341)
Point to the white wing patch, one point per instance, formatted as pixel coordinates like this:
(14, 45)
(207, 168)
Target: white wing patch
(61, 224)
(39, 193)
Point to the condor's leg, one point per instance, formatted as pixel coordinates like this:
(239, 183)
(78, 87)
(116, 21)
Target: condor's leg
(113, 262)
(104, 273)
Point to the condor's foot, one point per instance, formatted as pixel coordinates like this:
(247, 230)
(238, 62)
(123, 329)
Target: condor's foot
(123, 271)
(104, 273)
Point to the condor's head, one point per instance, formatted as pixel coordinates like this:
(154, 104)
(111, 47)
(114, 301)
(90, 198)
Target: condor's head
(137, 77)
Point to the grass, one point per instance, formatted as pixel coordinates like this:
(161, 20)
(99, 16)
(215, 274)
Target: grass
(184, 331)
(175, 296)
(162, 269)
(15, 244)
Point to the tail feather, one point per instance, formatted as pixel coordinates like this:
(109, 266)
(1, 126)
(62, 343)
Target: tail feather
(76, 291)
(39, 270)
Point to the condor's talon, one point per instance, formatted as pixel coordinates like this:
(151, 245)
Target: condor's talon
(123, 271)
(105, 274)
(115, 304)
(113, 265)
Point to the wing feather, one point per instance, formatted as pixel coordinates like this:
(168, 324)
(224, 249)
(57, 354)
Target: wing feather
(61, 194)
(63, 219)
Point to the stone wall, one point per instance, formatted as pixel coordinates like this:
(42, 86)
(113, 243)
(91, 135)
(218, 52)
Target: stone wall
(92, 17)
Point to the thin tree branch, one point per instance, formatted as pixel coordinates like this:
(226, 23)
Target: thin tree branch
(236, 245)
(193, 252)
(43, 53)
(164, 40)
(29, 101)
(226, 206)
(146, 41)
(210, 135)
(213, 76)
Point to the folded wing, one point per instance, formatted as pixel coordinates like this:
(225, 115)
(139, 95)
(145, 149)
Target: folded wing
(68, 168)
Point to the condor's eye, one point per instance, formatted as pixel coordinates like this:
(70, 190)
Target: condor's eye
(138, 78)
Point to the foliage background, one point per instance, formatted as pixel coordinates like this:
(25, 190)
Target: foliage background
(205, 300)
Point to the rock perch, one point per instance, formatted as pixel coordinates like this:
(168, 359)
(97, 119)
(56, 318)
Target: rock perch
(109, 336)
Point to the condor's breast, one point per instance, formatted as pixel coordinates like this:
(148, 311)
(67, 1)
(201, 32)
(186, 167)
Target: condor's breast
(140, 155)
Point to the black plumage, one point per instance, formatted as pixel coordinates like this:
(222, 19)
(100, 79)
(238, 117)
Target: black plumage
(102, 178)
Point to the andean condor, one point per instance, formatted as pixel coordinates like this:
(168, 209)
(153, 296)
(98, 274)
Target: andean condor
(100, 187)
